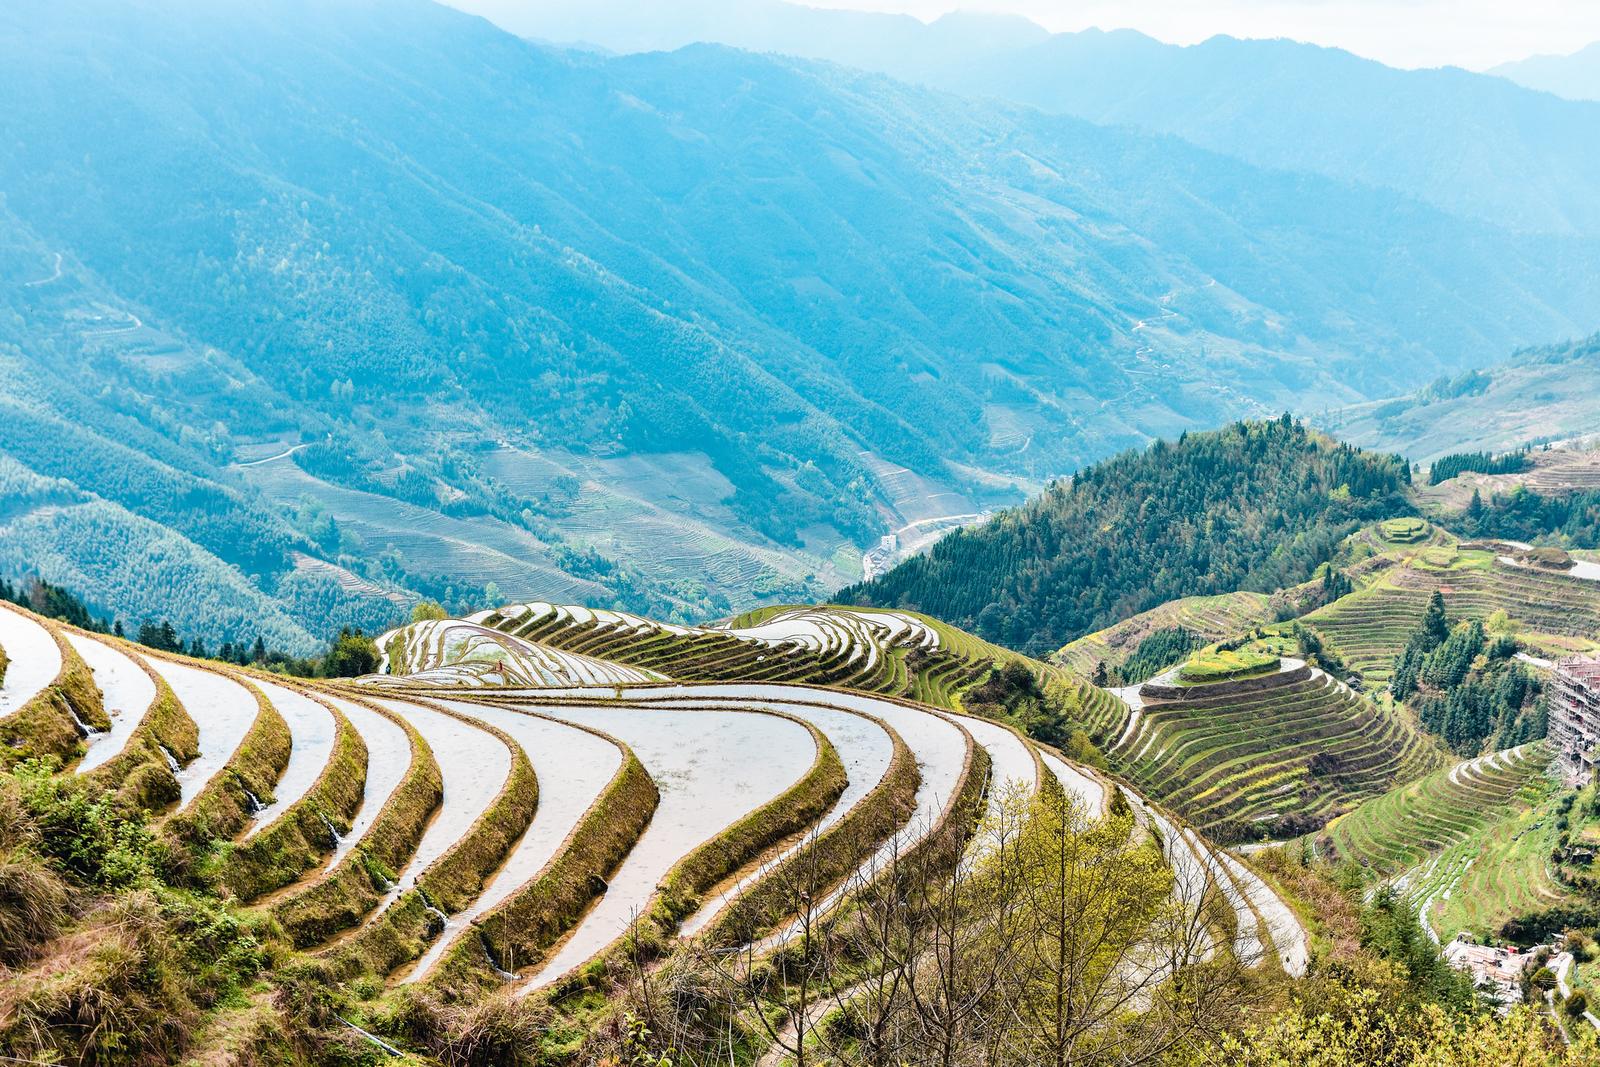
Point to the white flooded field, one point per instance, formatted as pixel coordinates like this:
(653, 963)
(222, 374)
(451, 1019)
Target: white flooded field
(1089, 790)
(474, 765)
(314, 731)
(128, 693)
(35, 659)
(940, 747)
(865, 748)
(452, 652)
(223, 711)
(388, 762)
(573, 767)
(712, 768)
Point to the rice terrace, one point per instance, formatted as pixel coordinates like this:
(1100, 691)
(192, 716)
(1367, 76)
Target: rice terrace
(799, 533)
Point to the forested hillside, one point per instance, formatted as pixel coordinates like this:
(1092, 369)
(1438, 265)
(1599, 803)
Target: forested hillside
(1256, 506)
(325, 311)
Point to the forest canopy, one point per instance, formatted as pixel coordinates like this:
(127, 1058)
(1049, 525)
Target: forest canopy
(1254, 506)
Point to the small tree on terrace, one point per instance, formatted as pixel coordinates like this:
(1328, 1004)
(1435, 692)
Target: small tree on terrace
(352, 654)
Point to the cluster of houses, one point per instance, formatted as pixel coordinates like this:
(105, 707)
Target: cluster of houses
(1497, 970)
(1574, 703)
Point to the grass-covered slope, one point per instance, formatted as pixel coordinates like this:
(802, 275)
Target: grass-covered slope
(1538, 394)
(1255, 506)
(1405, 826)
(899, 653)
(1549, 609)
(1265, 755)
(1209, 617)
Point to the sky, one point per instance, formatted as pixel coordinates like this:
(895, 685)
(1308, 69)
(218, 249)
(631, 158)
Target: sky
(1476, 34)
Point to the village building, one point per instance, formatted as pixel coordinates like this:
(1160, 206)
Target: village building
(1496, 970)
(1575, 718)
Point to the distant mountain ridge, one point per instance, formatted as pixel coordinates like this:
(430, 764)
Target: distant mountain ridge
(1575, 76)
(1540, 394)
(1256, 506)
(1471, 144)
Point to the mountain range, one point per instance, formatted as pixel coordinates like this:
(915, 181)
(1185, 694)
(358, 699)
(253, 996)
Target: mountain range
(308, 313)
(1575, 76)
(1472, 144)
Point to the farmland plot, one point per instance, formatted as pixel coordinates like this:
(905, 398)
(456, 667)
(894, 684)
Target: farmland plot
(313, 728)
(452, 652)
(573, 766)
(474, 764)
(223, 711)
(127, 690)
(388, 762)
(35, 659)
(712, 768)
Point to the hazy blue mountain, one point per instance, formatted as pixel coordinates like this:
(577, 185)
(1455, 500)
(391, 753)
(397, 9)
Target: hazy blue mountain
(367, 300)
(1468, 143)
(1540, 394)
(1575, 76)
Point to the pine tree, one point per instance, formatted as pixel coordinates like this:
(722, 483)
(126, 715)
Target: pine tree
(1435, 627)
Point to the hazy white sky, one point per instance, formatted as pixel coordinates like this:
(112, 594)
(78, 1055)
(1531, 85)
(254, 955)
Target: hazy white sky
(1405, 33)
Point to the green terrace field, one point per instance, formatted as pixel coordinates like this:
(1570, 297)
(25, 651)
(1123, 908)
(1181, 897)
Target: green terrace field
(1370, 626)
(1249, 759)
(1211, 617)
(1420, 819)
(1501, 873)
(1223, 665)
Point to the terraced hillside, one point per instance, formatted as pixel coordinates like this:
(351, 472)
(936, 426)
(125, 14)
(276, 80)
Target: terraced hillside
(1257, 756)
(1210, 617)
(898, 653)
(1414, 821)
(1461, 845)
(510, 815)
(1368, 628)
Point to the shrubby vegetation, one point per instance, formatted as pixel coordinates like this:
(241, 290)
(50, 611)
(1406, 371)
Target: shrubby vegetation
(1223, 664)
(1155, 654)
(1256, 506)
(1524, 515)
(350, 653)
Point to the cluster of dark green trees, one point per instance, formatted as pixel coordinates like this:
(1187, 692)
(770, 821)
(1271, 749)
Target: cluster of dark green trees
(1524, 515)
(1256, 505)
(1466, 686)
(349, 654)
(1446, 467)
(52, 601)
(1158, 651)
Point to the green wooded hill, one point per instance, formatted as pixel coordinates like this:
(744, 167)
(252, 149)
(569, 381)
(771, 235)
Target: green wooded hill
(1256, 506)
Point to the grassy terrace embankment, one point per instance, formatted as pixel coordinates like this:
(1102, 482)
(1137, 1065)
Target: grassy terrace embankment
(140, 775)
(1370, 626)
(1210, 617)
(1249, 758)
(913, 656)
(450, 882)
(339, 897)
(1413, 821)
(307, 832)
(222, 809)
(48, 724)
